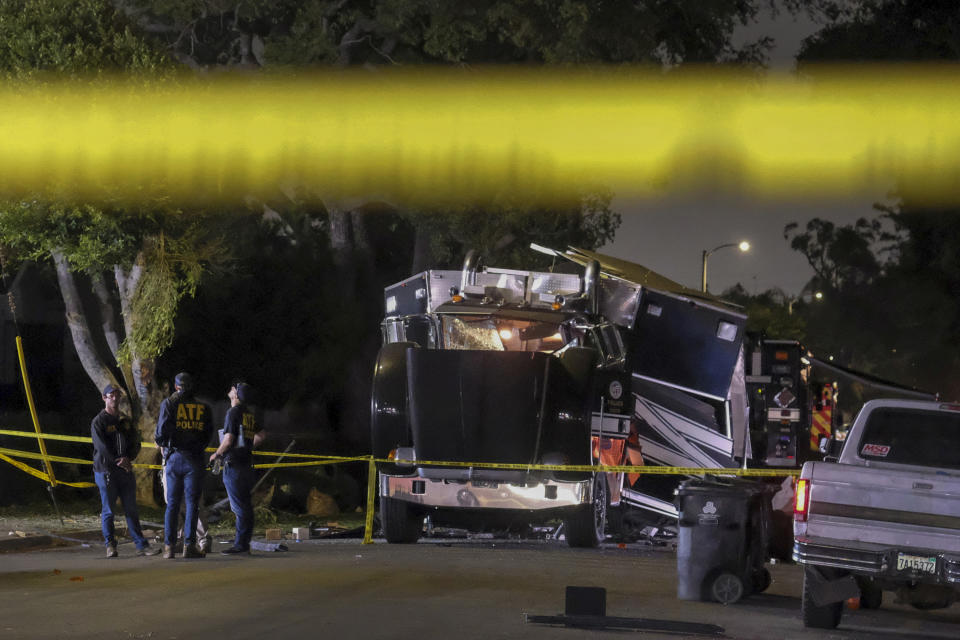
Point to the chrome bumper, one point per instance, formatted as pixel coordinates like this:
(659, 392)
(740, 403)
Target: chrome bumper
(487, 494)
(869, 559)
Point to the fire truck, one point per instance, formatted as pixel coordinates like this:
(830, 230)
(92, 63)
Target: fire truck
(794, 401)
(485, 373)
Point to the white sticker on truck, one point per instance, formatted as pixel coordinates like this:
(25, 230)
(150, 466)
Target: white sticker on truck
(880, 450)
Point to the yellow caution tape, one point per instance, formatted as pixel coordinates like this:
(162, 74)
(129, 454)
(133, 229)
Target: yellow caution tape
(649, 469)
(319, 460)
(371, 494)
(40, 456)
(45, 436)
(51, 477)
(25, 467)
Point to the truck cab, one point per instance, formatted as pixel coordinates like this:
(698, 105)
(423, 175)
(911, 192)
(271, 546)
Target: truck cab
(485, 373)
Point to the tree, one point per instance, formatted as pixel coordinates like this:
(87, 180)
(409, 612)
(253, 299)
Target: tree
(841, 258)
(886, 31)
(138, 259)
(139, 264)
(207, 33)
(906, 319)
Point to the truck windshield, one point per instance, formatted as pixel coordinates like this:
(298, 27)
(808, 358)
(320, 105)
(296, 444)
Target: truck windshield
(912, 436)
(492, 333)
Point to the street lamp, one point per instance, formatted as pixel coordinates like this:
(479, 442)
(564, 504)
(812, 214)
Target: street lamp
(816, 296)
(744, 246)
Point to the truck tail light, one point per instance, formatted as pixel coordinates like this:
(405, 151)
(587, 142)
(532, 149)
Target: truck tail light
(802, 503)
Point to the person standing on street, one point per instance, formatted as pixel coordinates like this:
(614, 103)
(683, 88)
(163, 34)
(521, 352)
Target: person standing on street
(241, 433)
(183, 431)
(116, 444)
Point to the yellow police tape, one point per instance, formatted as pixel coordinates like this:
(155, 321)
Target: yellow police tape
(316, 460)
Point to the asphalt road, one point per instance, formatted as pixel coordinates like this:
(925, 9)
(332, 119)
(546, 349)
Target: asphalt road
(433, 589)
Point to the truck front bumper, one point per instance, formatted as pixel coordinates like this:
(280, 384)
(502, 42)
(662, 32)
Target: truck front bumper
(873, 559)
(535, 494)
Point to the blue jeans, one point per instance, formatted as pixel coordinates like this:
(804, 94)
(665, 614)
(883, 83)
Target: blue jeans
(238, 479)
(122, 484)
(184, 475)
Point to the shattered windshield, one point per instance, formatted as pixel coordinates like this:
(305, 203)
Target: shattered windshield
(493, 333)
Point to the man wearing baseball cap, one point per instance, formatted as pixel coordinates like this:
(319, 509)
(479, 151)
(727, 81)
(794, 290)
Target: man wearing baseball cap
(183, 431)
(241, 433)
(115, 445)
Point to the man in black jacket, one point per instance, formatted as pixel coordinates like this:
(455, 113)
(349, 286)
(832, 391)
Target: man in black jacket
(115, 445)
(183, 430)
(242, 432)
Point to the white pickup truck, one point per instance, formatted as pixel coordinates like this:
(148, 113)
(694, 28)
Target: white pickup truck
(885, 516)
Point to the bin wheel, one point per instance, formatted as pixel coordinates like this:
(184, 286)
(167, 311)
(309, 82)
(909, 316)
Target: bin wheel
(871, 596)
(402, 524)
(727, 588)
(825, 617)
(761, 580)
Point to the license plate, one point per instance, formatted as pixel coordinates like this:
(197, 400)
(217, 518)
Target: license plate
(923, 564)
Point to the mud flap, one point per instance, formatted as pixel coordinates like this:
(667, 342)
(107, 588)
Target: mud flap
(826, 591)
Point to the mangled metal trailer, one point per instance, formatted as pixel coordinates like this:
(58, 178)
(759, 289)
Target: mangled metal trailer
(613, 364)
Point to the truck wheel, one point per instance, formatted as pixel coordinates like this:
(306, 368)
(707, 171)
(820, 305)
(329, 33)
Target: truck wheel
(727, 588)
(760, 580)
(587, 527)
(401, 522)
(825, 617)
(871, 596)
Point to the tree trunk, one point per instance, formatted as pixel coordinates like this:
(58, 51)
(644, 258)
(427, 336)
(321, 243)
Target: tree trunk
(142, 372)
(421, 248)
(96, 369)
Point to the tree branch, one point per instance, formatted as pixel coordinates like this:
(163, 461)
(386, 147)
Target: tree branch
(96, 369)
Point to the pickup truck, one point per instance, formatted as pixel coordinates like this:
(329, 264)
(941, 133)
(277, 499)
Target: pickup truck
(885, 515)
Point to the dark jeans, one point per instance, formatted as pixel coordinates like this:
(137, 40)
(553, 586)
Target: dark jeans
(122, 484)
(238, 479)
(184, 475)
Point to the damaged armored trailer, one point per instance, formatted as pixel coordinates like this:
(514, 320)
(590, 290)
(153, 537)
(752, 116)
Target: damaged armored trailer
(612, 364)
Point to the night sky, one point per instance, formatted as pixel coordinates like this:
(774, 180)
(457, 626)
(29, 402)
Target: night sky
(669, 234)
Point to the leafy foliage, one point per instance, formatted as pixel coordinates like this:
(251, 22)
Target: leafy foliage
(887, 30)
(80, 37)
(206, 33)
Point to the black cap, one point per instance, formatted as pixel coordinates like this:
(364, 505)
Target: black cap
(107, 390)
(184, 380)
(244, 392)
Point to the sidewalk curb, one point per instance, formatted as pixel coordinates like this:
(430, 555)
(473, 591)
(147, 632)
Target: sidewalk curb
(39, 542)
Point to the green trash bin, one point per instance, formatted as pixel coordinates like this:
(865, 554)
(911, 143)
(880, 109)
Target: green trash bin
(723, 539)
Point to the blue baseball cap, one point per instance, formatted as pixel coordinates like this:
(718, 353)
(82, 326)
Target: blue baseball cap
(107, 390)
(184, 380)
(244, 392)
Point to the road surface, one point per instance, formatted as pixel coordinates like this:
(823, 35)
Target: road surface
(434, 589)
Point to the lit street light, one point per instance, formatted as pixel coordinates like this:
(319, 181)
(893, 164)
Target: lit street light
(744, 246)
(816, 296)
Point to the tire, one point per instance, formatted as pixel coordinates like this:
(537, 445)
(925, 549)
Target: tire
(402, 524)
(587, 526)
(727, 588)
(389, 423)
(760, 580)
(825, 617)
(871, 596)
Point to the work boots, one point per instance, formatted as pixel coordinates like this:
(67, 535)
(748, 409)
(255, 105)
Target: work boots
(112, 550)
(191, 551)
(167, 552)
